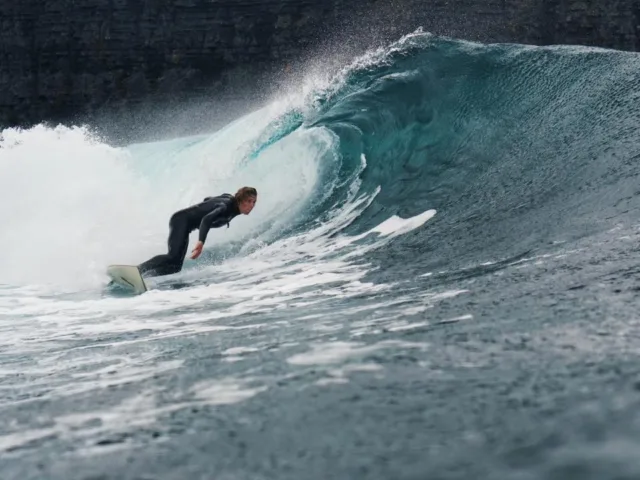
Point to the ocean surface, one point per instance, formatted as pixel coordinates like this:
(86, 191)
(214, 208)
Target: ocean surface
(440, 280)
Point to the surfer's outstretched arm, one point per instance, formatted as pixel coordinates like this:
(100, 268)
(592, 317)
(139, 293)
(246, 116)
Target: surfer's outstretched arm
(207, 221)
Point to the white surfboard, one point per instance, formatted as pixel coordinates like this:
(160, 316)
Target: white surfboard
(128, 276)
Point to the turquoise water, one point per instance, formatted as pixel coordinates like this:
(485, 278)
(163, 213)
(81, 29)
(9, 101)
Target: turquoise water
(439, 280)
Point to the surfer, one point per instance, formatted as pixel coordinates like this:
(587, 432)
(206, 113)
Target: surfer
(212, 212)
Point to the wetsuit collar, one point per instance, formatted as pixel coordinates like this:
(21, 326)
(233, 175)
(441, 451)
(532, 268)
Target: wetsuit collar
(236, 206)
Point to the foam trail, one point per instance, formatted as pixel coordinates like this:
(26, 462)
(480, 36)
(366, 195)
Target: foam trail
(69, 204)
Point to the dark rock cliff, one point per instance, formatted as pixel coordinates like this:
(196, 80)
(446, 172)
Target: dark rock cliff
(119, 63)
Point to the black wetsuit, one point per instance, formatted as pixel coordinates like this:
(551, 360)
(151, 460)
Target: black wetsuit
(212, 212)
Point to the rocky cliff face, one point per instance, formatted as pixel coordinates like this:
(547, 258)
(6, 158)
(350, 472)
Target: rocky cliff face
(119, 62)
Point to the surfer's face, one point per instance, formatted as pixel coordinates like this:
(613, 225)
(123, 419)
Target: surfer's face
(247, 205)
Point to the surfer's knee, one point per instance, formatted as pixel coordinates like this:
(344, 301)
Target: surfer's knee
(174, 263)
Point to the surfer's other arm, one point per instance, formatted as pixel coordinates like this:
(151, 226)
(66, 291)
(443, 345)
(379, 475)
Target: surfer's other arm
(207, 221)
(219, 214)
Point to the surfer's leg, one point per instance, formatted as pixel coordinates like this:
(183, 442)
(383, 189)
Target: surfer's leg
(172, 261)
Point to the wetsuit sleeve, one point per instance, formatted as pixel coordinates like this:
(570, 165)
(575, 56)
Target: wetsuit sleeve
(207, 220)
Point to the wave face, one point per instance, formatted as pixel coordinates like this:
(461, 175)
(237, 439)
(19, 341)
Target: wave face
(514, 146)
(439, 276)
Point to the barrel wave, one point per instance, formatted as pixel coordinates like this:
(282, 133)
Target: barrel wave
(439, 280)
(514, 146)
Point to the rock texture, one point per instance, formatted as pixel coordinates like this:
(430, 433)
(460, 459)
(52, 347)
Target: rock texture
(118, 63)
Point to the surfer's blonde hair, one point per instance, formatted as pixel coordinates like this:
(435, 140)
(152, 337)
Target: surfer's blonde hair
(245, 193)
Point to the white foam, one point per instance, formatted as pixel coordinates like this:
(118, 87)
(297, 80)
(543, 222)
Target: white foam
(339, 375)
(323, 382)
(395, 225)
(336, 352)
(403, 326)
(69, 205)
(225, 391)
(240, 350)
(457, 319)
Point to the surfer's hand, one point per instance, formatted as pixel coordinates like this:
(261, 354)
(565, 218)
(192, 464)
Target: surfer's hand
(197, 250)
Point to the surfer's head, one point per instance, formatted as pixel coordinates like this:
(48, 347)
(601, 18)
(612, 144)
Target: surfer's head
(246, 198)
